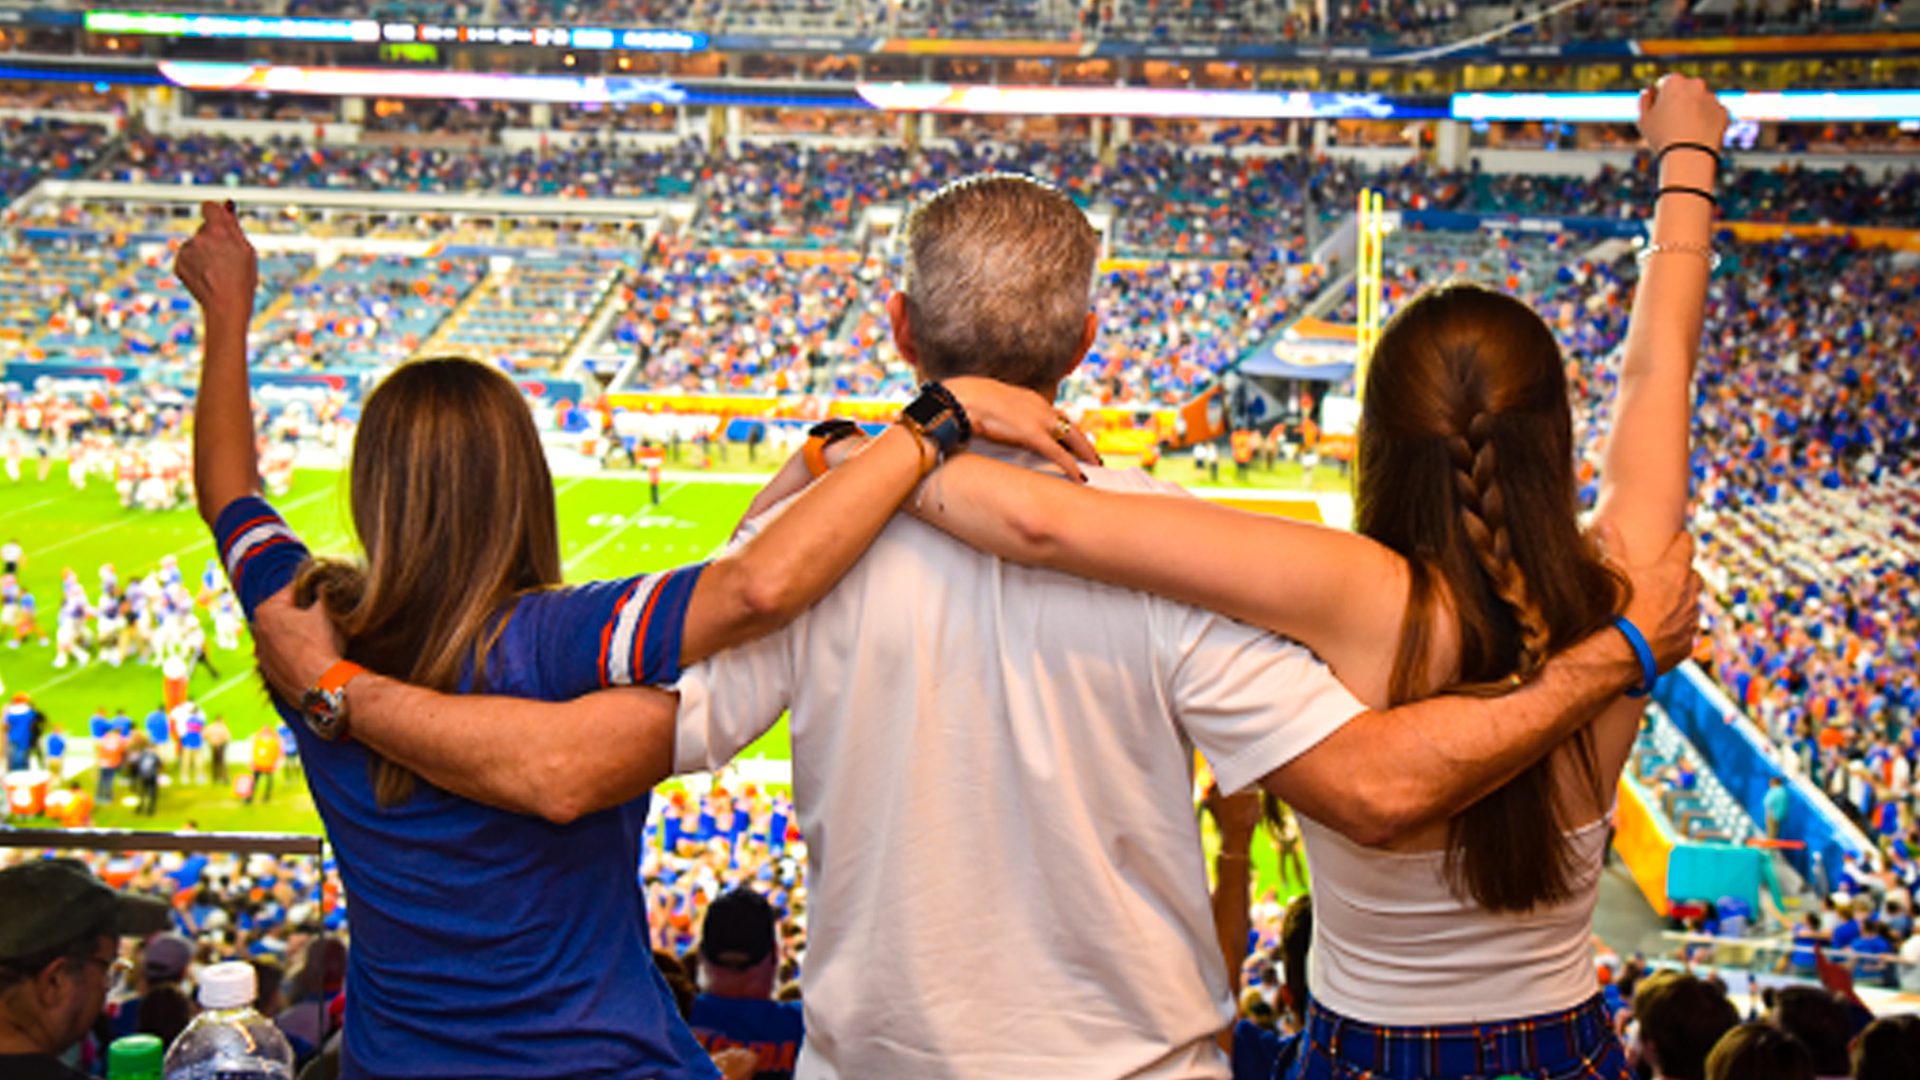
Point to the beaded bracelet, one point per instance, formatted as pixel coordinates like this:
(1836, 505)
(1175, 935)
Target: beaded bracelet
(1702, 250)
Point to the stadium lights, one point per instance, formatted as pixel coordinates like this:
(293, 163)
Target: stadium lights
(963, 98)
(372, 31)
(1813, 106)
(1142, 101)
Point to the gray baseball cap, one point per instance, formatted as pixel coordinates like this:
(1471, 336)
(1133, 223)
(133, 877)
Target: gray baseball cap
(50, 902)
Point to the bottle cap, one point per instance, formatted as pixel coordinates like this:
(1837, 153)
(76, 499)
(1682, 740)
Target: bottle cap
(227, 986)
(135, 1057)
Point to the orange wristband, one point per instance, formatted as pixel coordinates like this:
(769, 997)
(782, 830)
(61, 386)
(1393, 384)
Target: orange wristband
(814, 453)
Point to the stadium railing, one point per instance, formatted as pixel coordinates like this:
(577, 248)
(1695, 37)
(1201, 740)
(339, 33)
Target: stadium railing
(1746, 764)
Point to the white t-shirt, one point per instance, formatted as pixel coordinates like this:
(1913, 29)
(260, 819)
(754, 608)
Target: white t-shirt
(993, 769)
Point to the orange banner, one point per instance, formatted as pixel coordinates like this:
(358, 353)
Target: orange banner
(1749, 232)
(979, 47)
(1780, 43)
(1644, 844)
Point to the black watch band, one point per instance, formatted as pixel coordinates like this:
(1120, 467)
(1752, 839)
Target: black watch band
(937, 414)
(832, 431)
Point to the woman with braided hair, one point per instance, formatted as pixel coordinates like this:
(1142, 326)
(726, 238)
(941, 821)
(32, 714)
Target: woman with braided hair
(1461, 949)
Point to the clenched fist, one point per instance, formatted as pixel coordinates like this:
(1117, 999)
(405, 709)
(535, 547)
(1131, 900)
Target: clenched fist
(218, 266)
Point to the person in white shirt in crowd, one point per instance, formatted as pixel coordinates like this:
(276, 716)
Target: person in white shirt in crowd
(993, 763)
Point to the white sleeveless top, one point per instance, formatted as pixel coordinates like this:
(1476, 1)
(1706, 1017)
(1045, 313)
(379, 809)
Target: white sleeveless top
(1393, 945)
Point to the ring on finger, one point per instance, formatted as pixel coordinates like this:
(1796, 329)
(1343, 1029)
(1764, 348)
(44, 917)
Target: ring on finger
(1062, 428)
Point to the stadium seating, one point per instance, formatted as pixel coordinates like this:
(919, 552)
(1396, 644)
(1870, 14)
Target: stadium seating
(719, 321)
(31, 150)
(39, 279)
(362, 311)
(142, 315)
(527, 317)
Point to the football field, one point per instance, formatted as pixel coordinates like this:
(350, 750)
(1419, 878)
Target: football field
(608, 528)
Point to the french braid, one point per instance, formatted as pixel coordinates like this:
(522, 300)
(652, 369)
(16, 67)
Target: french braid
(1483, 515)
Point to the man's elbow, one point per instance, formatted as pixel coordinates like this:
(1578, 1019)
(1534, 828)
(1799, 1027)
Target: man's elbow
(1035, 533)
(765, 599)
(1381, 813)
(564, 809)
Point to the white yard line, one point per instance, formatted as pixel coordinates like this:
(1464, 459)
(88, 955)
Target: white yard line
(614, 533)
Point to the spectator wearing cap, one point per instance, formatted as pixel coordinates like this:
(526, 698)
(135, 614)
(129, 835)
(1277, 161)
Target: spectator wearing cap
(739, 963)
(1681, 1018)
(163, 966)
(58, 951)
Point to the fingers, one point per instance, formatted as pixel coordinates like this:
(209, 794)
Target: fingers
(1079, 445)
(1062, 458)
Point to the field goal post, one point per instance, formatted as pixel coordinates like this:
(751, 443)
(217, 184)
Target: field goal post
(1369, 282)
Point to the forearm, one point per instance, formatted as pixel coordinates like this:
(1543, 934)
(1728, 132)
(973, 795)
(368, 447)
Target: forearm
(1334, 591)
(557, 760)
(792, 478)
(1644, 482)
(1232, 889)
(1389, 773)
(766, 582)
(224, 467)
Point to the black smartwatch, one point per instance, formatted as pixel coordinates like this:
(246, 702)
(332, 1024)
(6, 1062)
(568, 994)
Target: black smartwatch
(822, 435)
(938, 415)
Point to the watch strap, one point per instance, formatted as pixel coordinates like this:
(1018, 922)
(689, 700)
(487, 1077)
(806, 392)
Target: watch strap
(938, 415)
(335, 679)
(819, 437)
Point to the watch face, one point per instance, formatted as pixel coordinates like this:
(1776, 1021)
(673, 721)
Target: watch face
(322, 710)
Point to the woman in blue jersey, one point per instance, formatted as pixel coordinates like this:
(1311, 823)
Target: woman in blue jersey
(486, 943)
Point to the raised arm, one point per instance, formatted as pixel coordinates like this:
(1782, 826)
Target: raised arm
(219, 268)
(1643, 482)
(1338, 593)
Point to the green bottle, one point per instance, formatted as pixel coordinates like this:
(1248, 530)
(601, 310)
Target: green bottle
(135, 1057)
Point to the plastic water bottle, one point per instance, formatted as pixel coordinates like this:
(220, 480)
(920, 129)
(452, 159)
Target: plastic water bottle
(229, 1040)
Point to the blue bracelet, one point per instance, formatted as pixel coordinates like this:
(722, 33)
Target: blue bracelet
(1649, 671)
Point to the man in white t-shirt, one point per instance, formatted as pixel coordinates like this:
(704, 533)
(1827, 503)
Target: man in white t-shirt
(993, 763)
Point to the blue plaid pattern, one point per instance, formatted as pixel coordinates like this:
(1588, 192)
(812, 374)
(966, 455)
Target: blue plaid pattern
(1578, 1044)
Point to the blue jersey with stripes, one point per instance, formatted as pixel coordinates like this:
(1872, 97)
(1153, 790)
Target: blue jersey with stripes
(486, 943)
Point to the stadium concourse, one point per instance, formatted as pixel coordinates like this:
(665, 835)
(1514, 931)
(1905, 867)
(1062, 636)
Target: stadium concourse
(672, 359)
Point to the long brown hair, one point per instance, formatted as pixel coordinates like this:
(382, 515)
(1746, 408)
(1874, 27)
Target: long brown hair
(1466, 469)
(453, 505)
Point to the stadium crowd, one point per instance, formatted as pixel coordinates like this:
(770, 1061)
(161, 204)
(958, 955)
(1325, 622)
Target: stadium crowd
(289, 916)
(1804, 469)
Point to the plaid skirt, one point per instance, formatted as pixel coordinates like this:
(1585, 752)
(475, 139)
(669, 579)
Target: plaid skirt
(1577, 1044)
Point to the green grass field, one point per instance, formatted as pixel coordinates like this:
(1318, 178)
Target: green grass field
(607, 529)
